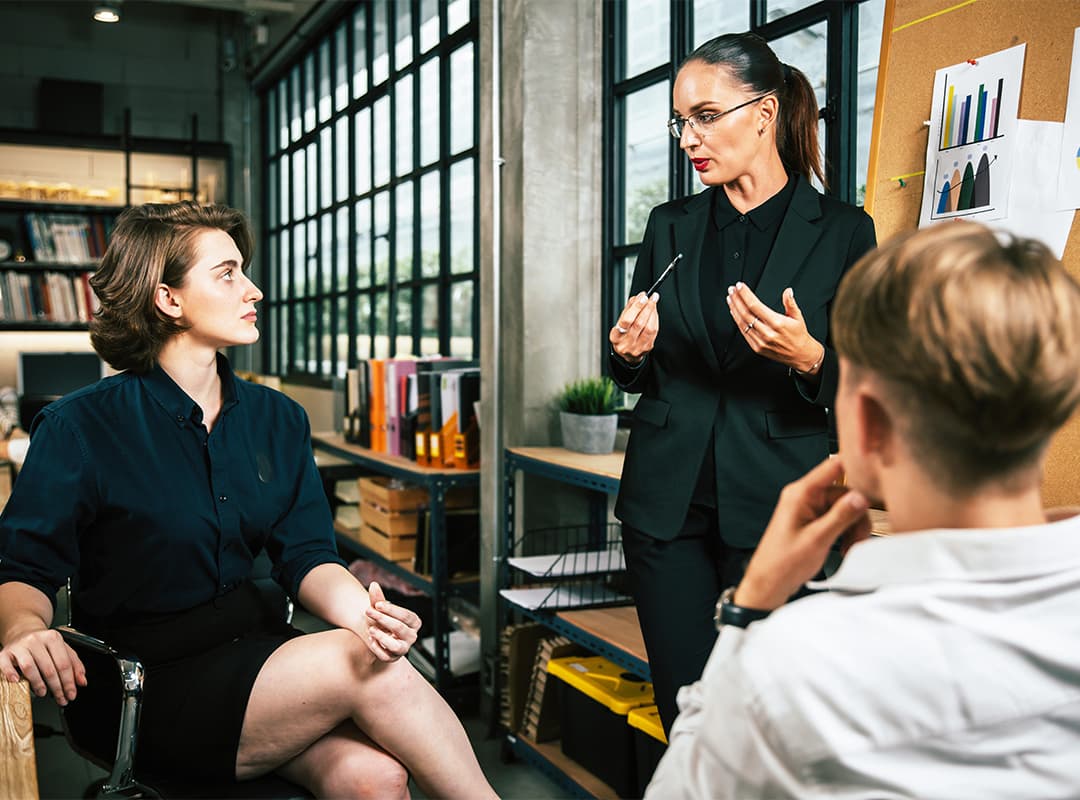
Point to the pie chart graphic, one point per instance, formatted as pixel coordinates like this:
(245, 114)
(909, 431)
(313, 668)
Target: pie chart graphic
(1078, 159)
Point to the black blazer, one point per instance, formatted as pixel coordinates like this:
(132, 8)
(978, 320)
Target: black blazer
(770, 427)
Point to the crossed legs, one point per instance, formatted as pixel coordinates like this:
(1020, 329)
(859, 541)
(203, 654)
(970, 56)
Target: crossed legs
(326, 714)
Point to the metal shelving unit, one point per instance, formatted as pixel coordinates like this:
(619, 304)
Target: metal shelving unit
(599, 475)
(438, 585)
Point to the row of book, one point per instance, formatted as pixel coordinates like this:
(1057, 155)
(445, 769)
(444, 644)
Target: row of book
(68, 238)
(46, 297)
(423, 409)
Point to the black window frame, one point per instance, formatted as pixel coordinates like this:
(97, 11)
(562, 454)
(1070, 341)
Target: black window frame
(294, 344)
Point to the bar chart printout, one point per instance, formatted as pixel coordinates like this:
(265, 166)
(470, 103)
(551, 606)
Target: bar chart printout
(969, 153)
(1068, 184)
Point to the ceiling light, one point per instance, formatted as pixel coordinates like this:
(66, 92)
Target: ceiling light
(107, 12)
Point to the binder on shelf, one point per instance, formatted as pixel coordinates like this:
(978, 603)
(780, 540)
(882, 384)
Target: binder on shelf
(467, 437)
(377, 404)
(357, 427)
(396, 371)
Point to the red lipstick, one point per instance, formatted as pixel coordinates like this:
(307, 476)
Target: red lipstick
(700, 164)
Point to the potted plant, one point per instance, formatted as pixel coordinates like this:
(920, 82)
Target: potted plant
(587, 415)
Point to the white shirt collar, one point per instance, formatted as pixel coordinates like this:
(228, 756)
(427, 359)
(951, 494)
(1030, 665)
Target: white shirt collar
(980, 554)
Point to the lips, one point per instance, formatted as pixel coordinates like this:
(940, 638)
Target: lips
(700, 164)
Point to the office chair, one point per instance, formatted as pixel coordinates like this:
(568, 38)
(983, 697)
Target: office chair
(102, 723)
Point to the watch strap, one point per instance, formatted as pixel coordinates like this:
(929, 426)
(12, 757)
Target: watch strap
(728, 613)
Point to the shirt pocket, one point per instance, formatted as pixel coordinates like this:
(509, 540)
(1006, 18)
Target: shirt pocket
(653, 411)
(791, 423)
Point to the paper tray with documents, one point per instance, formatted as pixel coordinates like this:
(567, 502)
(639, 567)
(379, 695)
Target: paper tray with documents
(586, 562)
(567, 567)
(564, 595)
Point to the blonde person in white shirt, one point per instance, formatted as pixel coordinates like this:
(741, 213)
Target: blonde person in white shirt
(944, 661)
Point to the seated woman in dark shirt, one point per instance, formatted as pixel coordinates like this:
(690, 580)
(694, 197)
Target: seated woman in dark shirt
(155, 489)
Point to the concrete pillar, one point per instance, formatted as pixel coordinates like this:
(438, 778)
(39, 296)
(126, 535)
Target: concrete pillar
(547, 329)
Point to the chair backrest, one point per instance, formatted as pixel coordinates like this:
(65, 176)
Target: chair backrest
(18, 765)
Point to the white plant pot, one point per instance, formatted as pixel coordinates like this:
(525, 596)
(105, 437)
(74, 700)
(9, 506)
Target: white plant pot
(588, 433)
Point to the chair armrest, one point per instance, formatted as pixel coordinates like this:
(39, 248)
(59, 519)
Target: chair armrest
(131, 680)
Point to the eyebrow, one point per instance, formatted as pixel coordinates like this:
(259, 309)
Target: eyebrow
(697, 107)
(230, 263)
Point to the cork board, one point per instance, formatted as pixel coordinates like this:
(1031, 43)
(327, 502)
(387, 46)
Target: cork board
(918, 38)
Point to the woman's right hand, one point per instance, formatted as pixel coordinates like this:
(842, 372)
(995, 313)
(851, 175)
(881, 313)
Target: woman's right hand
(45, 660)
(635, 332)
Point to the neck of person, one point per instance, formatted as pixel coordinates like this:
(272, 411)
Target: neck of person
(916, 501)
(193, 367)
(763, 180)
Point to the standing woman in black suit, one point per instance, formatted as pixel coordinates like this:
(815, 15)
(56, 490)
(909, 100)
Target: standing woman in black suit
(735, 375)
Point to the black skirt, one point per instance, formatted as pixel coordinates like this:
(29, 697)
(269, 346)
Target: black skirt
(200, 667)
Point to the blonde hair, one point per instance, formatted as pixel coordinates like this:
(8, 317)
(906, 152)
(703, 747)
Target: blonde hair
(977, 339)
(150, 245)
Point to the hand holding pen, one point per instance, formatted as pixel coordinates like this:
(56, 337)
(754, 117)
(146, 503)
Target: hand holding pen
(634, 334)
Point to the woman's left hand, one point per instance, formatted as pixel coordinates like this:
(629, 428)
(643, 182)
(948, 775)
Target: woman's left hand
(391, 629)
(780, 337)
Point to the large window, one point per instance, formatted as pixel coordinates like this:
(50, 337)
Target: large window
(835, 42)
(371, 201)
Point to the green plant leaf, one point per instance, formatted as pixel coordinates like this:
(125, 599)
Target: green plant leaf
(597, 395)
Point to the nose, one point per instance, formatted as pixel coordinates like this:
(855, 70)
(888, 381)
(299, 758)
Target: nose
(253, 293)
(689, 137)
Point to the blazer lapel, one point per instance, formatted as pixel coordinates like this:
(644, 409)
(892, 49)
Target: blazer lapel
(794, 240)
(689, 236)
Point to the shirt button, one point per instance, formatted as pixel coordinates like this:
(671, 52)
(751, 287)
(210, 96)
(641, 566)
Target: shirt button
(222, 498)
(735, 255)
(742, 217)
(180, 418)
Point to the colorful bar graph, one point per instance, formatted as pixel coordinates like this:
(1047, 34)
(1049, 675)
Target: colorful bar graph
(997, 106)
(980, 115)
(972, 119)
(949, 125)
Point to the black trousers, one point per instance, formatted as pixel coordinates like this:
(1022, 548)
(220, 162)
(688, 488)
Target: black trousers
(676, 585)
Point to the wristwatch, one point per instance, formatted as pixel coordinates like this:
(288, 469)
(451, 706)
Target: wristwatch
(727, 613)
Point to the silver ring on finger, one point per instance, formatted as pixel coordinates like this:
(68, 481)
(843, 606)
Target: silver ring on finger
(750, 327)
(621, 329)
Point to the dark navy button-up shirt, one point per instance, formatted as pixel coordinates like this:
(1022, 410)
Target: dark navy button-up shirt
(124, 488)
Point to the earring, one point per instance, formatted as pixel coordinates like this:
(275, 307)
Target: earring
(761, 131)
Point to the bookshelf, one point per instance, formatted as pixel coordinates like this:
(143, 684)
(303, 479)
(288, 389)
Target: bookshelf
(610, 631)
(59, 198)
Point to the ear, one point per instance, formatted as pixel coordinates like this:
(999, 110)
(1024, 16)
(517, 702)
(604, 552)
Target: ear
(876, 428)
(167, 302)
(768, 108)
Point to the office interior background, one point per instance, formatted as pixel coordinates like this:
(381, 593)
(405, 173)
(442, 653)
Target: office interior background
(464, 177)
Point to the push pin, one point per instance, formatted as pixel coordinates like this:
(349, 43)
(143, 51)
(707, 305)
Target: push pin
(902, 184)
(972, 61)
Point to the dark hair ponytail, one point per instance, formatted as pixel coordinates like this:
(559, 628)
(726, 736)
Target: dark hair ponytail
(753, 64)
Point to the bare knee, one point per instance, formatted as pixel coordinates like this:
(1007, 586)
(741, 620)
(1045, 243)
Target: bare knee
(366, 776)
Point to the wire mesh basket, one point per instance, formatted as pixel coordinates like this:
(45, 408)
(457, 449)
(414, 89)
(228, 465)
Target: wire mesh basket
(577, 566)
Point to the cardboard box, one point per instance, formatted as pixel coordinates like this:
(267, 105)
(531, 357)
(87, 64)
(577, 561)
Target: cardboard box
(389, 523)
(396, 548)
(394, 495)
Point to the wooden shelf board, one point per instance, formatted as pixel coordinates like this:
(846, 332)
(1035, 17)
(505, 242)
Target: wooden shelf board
(609, 465)
(552, 751)
(616, 625)
(337, 440)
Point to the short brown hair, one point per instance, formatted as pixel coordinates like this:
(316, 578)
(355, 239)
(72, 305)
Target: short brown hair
(150, 245)
(977, 337)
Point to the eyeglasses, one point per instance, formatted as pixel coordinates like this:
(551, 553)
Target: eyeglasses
(703, 122)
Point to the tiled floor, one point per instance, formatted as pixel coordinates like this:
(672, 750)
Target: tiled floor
(63, 774)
